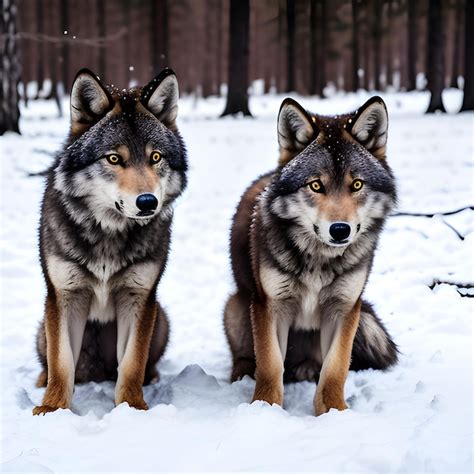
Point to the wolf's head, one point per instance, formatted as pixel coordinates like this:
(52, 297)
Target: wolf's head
(334, 183)
(126, 160)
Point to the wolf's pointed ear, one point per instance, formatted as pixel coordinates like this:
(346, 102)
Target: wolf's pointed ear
(369, 126)
(296, 130)
(160, 97)
(90, 101)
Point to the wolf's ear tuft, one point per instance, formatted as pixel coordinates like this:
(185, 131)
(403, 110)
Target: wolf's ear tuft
(160, 97)
(90, 101)
(369, 126)
(295, 130)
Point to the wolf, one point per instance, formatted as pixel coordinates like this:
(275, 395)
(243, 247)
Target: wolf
(105, 232)
(302, 245)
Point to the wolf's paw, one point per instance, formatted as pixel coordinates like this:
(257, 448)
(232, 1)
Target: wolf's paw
(43, 409)
(323, 405)
(134, 398)
(137, 404)
(307, 370)
(322, 408)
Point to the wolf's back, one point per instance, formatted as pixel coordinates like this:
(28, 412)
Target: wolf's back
(373, 347)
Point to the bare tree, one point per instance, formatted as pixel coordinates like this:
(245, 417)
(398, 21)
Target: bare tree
(355, 45)
(377, 42)
(468, 101)
(238, 80)
(290, 46)
(412, 43)
(323, 46)
(389, 43)
(41, 58)
(219, 46)
(435, 56)
(101, 17)
(126, 40)
(159, 34)
(10, 70)
(318, 33)
(455, 70)
(208, 56)
(64, 13)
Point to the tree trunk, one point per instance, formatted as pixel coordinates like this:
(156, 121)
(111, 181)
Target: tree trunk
(457, 45)
(323, 47)
(41, 59)
(280, 79)
(64, 12)
(355, 45)
(435, 56)
(366, 48)
(126, 43)
(390, 39)
(53, 93)
(290, 46)
(102, 32)
(377, 40)
(207, 78)
(412, 43)
(314, 48)
(468, 101)
(159, 35)
(10, 70)
(219, 46)
(237, 96)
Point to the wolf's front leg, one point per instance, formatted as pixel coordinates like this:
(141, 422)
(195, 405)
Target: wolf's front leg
(270, 341)
(136, 317)
(336, 345)
(65, 320)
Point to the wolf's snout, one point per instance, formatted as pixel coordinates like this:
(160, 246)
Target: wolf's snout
(340, 231)
(147, 202)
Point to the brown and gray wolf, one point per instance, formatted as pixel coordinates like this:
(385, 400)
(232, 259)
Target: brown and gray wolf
(302, 245)
(104, 239)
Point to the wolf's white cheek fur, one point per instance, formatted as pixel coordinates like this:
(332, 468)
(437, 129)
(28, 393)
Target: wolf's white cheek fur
(374, 208)
(295, 206)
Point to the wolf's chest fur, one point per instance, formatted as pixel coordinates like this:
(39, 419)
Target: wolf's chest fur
(304, 293)
(103, 268)
(108, 265)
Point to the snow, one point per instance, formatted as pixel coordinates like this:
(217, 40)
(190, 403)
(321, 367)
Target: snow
(414, 418)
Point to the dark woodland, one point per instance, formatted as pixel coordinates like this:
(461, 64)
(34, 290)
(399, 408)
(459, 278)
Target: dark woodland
(300, 46)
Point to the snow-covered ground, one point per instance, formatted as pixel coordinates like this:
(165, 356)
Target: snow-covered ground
(415, 418)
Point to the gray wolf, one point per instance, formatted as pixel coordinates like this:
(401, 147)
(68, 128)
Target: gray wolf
(104, 239)
(302, 245)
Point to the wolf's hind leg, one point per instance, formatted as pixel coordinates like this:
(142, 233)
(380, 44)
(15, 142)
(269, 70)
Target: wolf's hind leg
(238, 329)
(42, 379)
(158, 345)
(303, 358)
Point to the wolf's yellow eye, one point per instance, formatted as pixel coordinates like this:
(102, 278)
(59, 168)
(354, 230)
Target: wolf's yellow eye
(155, 157)
(316, 186)
(357, 185)
(113, 159)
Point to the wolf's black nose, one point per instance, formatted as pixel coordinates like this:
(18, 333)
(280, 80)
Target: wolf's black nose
(147, 202)
(340, 231)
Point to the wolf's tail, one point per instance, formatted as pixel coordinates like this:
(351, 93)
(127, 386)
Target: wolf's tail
(373, 347)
